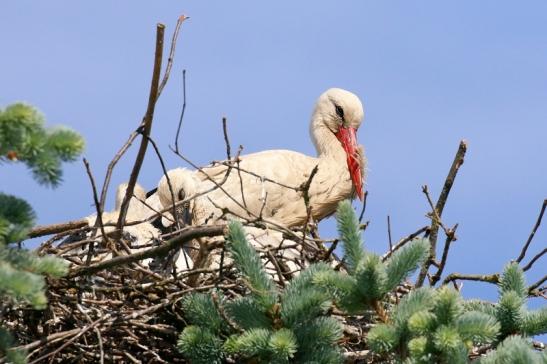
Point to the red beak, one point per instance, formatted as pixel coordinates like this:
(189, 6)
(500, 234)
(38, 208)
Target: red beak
(346, 136)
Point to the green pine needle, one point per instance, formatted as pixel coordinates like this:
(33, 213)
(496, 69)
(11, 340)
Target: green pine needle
(307, 305)
(247, 314)
(348, 228)
(66, 143)
(417, 300)
(481, 306)
(16, 211)
(199, 309)
(320, 332)
(446, 339)
(405, 261)
(535, 322)
(248, 262)
(510, 313)
(23, 286)
(513, 279)
(448, 305)
(422, 322)
(283, 345)
(251, 343)
(418, 350)
(200, 346)
(383, 338)
(514, 350)
(371, 278)
(477, 327)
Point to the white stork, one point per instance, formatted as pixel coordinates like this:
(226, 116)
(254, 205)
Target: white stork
(270, 180)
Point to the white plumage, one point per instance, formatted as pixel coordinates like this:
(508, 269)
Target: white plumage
(270, 179)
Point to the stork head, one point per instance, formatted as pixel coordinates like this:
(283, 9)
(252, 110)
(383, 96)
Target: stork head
(341, 113)
(184, 185)
(138, 194)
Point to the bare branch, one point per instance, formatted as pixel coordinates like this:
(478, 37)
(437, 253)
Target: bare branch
(364, 207)
(146, 125)
(99, 220)
(186, 235)
(450, 237)
(489, 278)
(439, 207)
(536, 226)
(389, 233)
(534, 259)
(180, 20)
(42, 230)
(182, 111)
(403, 241)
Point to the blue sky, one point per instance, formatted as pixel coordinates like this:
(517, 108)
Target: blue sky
(429, 74)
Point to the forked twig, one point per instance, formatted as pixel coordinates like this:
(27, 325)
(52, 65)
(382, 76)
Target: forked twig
(439, 207)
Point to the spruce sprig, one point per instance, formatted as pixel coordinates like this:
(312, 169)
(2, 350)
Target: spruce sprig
(368, 279)
(268, 325)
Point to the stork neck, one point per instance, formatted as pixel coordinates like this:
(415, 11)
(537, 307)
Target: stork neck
(326, 143)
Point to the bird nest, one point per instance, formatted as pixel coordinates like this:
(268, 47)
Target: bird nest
(121, 309)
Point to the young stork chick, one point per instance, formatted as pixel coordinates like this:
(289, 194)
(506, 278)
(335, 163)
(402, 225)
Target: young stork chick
(139, 234)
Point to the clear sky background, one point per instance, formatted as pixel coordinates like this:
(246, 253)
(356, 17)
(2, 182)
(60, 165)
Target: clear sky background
(429, 73)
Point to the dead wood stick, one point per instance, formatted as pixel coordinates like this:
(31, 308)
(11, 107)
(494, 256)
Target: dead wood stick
(99, 219)
(42, 230)
(439, 207)
(182, 111)
(534, 259)
(169, 185)
(364, 207)
(450, 237)
(536, 285)
(146, 126)
(403, 241)
(489, 278)
(167, 72)
(536, 226)
(71, 340)
(186, 235)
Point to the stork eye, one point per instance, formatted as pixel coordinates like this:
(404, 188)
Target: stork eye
(339, 111)
(182, 195)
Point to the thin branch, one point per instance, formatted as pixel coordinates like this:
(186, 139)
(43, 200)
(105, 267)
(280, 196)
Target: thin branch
(186, 235)
(97, 332)
(331, 249)
(389, 233)
(146, 125)
(171, 191)
(489, 278)
(364, 207)
(75, 337)
(305, 188)
(450, 237)
(439, 207)
(183, 110)
(113, 163)
(238, 160)
(534, 259)
(42, 230)
(180, 20)
(536, 226)
(226, 139)
(536, 285)
(99, 221)
(404, 241)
